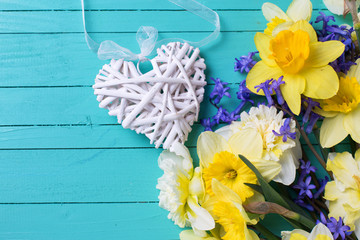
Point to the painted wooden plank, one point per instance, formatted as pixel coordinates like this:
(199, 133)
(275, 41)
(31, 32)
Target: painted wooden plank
(128, 21)
(122, 21)
(72, 105)
(87, 175)
(93, 175)
(87, 136)
(65, 60)
(138, 4)
(86, 221)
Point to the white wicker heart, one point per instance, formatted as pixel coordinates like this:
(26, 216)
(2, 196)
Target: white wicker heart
(163, 103)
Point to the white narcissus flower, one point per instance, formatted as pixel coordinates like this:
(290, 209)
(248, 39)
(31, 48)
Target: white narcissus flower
(253, 136)
(343, 194)
(319, 232)
(190, 235)
(337, 6)
(181, 190)
(279, 20)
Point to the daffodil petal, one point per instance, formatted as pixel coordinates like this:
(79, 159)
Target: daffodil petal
(260, 73)
(271, 11)
(190, 235)
(282, 27)
(335, 6)
(321, 83)
(288, 169)
(351, 124)
(300, 10)
(332, 131)
(223, 193)
(301, 234)
(320, 229)
(344, 168)
(251, 235)
(247, 142)
(292, 89)
(268, 169)
(200, 219)
(262, 43)
(321, 53)
(324, 113)
(225, 131)
(357, 228)
(305, 26)
(208, 144)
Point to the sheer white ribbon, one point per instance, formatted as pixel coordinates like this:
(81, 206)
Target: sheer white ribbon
(147, 36)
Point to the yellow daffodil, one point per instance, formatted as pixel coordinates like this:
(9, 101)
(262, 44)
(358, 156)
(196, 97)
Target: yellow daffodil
(342, 112)
(254, 137)
(319, 232)
(278, 20)
(337, 6)
(190, 235)
(343, 194)
(181, 190)
(219, 159)
(230, 214)
(297, 55)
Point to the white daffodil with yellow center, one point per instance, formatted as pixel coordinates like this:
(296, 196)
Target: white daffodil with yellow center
(219, 159)
(278, 20)
(343, 194)
(253, 136)
(181, 190)
(319, 232)
(342, 112)
(303, 62)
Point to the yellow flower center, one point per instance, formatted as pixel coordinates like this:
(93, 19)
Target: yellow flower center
(290, 50)
(272, 25)
(347, 97)
(297, 236)
(231, 174)
(231, 171)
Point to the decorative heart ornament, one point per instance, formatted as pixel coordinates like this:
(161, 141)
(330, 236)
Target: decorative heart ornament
(163, 103)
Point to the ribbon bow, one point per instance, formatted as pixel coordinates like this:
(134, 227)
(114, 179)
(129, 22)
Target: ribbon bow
(147, 36)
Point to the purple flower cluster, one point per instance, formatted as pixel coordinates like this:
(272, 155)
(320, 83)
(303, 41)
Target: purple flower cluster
(337, 228)
(223, 115)
(245, 63)
(220, 90)
(285, 131)
(309, 116)
(270, 87)
(340, 33)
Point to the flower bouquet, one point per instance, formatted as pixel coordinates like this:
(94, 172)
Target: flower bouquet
(281, 150)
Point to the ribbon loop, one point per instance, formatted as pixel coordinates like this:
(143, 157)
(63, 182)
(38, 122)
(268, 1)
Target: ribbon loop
(147, 36)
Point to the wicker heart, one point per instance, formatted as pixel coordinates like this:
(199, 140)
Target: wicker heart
(162, 103)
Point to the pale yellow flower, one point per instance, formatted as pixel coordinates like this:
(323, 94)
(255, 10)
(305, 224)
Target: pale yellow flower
(278, 20)
(275, 159)
(342, 112)
(219, 159)
(181, 190)
(297, 55)
(319, 232)
(337, 6)
(190, 235)
(230, 213)
(343, 194)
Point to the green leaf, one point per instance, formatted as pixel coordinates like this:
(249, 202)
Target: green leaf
(269, 193)
(265, 232)
(255, 187)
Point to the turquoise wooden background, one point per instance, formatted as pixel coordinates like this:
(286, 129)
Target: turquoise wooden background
(67, 170)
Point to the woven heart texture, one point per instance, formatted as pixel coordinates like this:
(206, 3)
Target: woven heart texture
(163, 103)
